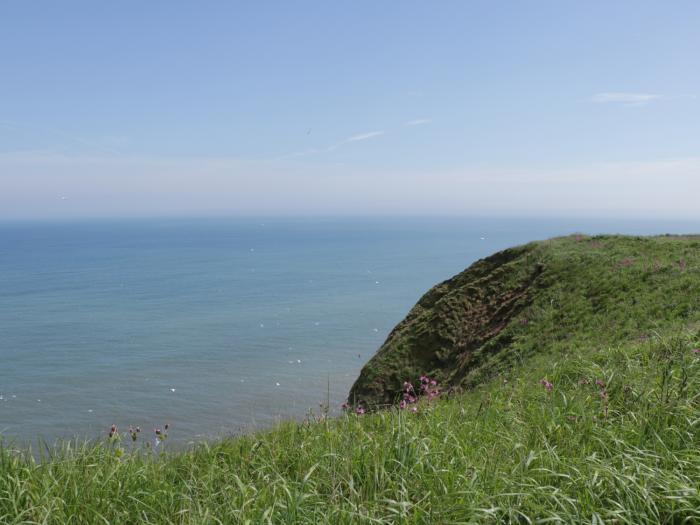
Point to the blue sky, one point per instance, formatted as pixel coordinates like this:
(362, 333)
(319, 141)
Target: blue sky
(363, 107)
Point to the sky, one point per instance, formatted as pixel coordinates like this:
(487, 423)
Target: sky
(132, 108)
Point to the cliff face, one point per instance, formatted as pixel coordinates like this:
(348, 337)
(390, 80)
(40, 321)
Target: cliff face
(534, 298)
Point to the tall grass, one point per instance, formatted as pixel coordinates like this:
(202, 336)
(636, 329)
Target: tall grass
(614, 440)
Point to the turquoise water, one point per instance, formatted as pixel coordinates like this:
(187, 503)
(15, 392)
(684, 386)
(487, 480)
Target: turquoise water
(215, 326)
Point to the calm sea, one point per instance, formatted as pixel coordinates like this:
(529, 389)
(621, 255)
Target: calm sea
(215, 326)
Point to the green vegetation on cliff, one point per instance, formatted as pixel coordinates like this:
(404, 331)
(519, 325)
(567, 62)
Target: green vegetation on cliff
(563, 295)
(576, 390)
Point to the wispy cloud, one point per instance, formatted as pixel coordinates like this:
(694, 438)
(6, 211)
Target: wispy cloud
(626, 99)
(355, 138)
(312, 151)
(418, 122)
(363, 136)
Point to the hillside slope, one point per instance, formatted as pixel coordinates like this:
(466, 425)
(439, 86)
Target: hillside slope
(543, 297)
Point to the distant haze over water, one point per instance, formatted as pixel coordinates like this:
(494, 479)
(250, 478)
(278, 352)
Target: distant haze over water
(218, 325)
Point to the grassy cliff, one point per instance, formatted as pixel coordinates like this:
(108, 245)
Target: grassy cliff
(561, 295)
(575, 381)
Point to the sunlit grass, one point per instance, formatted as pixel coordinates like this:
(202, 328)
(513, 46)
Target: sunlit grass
(615, 440)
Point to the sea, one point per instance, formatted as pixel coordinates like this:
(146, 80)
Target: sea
(217, 326)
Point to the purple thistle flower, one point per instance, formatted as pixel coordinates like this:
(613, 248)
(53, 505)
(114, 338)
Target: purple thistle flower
(547, 385)
(402, 404)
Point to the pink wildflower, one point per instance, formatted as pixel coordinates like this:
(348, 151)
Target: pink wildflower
(402, 404)
(414, 410)
(696, 350)
(547, 385)
(600, 383)
(360, 410)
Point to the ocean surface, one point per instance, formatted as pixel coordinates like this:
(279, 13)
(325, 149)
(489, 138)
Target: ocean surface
(217, 326)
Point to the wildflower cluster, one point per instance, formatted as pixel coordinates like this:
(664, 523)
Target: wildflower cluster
(547, 385)
(133, 433)
(602, 392)
(359, 409)
(161, 435)
(428, 389)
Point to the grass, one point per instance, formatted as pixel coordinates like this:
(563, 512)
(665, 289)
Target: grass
(509, 451)
(574, 292)
(615, 439)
